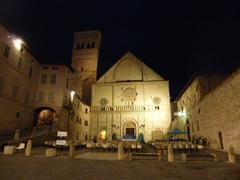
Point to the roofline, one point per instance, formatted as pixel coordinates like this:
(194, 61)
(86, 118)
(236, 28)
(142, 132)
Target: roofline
(194, 76)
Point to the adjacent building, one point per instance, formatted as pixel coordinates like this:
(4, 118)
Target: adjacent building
(19, 72)
(209, 107)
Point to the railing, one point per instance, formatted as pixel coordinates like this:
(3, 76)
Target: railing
(124, 108)
(24, 134)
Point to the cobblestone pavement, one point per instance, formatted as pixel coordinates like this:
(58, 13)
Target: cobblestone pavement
(20, 167)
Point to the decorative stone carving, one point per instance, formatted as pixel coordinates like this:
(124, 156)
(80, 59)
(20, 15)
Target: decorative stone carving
(156, 100)
(129, 95)
(103, 101)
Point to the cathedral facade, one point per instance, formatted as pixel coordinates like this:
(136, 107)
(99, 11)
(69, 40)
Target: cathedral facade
(129, 99)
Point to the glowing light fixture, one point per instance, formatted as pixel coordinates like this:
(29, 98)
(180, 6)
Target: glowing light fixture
(17, 43)
(72, 93)
(103, 134)
(181, 114)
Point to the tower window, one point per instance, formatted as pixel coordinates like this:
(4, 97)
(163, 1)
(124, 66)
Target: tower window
(88, 46)
(93, 45)
(82, 46)
(81, 69)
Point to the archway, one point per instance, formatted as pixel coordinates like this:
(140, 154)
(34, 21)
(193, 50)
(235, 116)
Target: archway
(129, 129)
(44, 116)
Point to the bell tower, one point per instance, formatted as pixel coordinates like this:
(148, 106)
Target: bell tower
(85, 54)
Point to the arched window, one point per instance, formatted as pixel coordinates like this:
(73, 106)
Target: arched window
(93, 45)
(88, 46)
(82, 46)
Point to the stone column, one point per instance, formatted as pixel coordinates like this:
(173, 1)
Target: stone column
(71, 149)
(17, 134)
(120, 151)
(28, 148)
(170, 153)
(231, 155)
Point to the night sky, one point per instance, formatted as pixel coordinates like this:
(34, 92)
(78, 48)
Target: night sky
(175, 38)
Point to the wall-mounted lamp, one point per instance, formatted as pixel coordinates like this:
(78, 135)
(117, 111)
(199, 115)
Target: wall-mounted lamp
(142, 125)
(72, 93)
(17, 43)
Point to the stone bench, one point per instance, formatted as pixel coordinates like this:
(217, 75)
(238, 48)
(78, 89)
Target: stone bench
(158, 155)
(199, 157)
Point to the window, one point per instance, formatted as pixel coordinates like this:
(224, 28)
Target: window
(53, 79)
(20, 62)
(54, 68)
(67, 83)
(30, 72)
(26, 98)
(199, 110)
(86, 123)
(1, 85)
(81, 69)
(45, 67)
(78, 46)
(86, 110)
(6, 51)
(17, 114)
(44, 79)
(41, 96)
(88, 46)
(22, 50)
(51, 97)
(82, 46)
(14, 92)
(77, 118)
(80, 120)
(93, 45)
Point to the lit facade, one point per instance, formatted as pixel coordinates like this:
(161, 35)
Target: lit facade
(130, 99)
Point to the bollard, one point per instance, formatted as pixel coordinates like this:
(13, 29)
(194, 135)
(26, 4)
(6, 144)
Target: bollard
(71, 149)
(120, 151)
(28, 150)
(160, 153)
(170, 153)
(231, 155)
(17, 134)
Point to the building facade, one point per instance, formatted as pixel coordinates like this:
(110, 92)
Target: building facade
(214, 116)
(130, 99)
(19, 72)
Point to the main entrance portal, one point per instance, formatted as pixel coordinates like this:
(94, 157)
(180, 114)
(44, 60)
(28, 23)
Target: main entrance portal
(129, 128)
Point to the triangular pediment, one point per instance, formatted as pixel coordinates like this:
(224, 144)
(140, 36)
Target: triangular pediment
(129, 68)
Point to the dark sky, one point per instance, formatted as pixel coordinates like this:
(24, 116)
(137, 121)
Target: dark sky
(175, 38)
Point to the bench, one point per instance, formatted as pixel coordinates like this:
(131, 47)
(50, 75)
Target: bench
(199, 157)
(158, 155)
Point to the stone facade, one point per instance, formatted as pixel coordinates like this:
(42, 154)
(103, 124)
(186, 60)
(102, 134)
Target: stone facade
(216, 115)
(85, 55)
(130, 99)
(19, 71)
(54, 92)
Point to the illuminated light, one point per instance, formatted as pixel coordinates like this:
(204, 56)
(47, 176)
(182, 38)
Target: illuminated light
(103, 134)
(72, 93)
(17, 43)
(181, 114)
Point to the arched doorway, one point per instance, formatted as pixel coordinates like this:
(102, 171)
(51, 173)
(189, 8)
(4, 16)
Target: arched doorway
(44, 116)
(129, 129)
